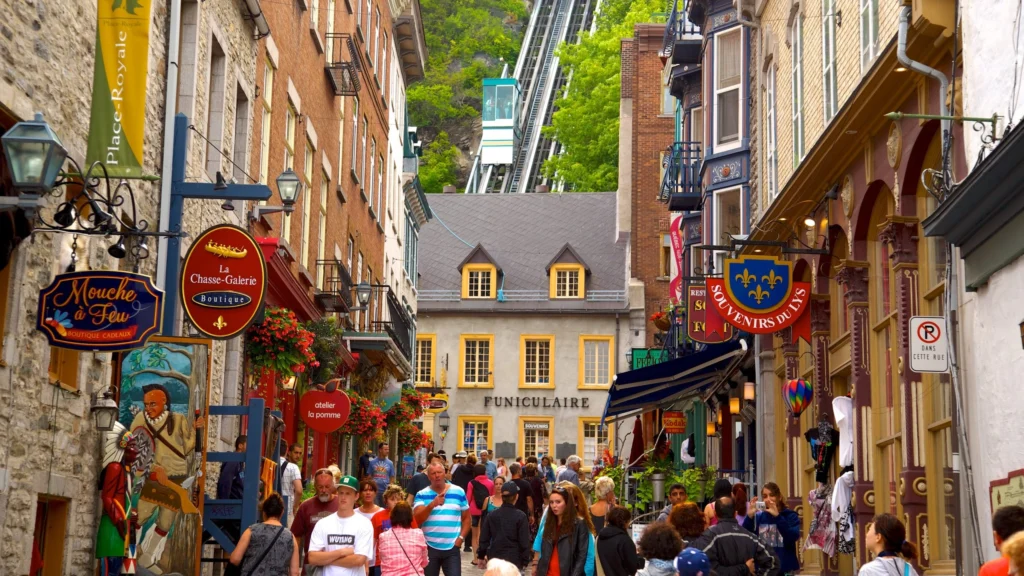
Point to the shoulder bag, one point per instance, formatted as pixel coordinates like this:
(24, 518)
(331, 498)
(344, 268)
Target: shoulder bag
(261, 557)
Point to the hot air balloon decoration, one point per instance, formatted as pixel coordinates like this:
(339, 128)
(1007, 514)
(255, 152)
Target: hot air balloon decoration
(798, 394)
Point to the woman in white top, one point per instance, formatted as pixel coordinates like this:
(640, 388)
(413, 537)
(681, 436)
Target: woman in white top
(887, 540)
(367, 499)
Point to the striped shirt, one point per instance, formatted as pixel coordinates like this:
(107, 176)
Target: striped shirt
(444, 525)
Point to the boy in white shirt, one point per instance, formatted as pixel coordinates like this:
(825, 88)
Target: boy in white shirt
(342, 542)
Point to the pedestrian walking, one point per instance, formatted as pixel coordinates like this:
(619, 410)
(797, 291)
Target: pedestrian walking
(659, 544)
(564, 538)
(1006, 522)
(777, 526)
(729, 546)
(502, 468)
(419, 481)
(693, 562)
(481, 488)
(342, 542)
(571, 472)
(525, 501)
(442, 512)
(492, 468)
(495, 501)
(498, 567)
(1013, 551)
(267, 548)
(546, 470)
(538, 491)
(381, 521)
(323, 504)
(583, 513)
(616, 551)
(505, 532)
(688, 521)
(291, 479)
(368, 499)
(403, 548)
(886, 538)
(723, 489)
(604, 490)
(382, 470)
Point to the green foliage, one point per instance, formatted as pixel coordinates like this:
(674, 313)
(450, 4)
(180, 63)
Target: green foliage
(439, 165)
(327, 339)
(586, 121)
(696, 478)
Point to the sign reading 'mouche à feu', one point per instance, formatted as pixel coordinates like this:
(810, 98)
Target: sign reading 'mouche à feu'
(758, 295)
(117, 124)
(223, 281)
(703, 322)
(100, 310)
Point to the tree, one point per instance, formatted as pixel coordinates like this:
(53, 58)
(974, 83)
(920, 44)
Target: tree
(586, 119)
(440, 164)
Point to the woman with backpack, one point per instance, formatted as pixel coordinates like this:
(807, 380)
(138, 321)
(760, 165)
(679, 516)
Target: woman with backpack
(478, 492)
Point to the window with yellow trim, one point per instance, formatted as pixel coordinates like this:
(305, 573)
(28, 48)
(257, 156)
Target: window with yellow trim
(596, 368)
(425, 345)
(567, 281)
(536, 359)
(476, 360)
(478, 281)
(474, 433)
(535, 436)
(63, 369)
(594, 440)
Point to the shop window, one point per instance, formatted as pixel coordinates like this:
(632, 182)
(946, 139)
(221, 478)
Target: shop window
(596, 368)
(595, 439)
(567, 281)
(63, 369)
(697, 127)
(49, 535)
(266, 100)
(476, 361)
(828, 56)
(797, 88)
(771, 148)
(665, 260)
(478, 280)
(868, 33)
(728, 84)
(535, 436)
(355, 137)
(290, 119)
(307, 205)
(321, 239)
(474, 433)
(728, 218)
(536, 361)
(215, 105)
(425, 359)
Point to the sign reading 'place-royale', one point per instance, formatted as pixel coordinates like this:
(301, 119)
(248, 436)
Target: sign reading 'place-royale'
(223, 281)
(758, 295)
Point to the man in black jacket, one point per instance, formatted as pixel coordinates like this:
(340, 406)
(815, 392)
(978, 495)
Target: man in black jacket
(506, 532)
(615, 547)
(732, 549)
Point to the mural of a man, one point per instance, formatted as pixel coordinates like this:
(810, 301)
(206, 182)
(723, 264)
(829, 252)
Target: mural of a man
(174, 441)
(118, 518)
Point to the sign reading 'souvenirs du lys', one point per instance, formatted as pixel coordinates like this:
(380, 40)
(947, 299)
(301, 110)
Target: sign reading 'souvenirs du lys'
(758, 294)
(103, 310)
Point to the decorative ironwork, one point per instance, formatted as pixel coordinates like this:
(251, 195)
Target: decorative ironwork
(334, 291)
(344, 73)
(676, 29)
(388, 316)
(681, 185)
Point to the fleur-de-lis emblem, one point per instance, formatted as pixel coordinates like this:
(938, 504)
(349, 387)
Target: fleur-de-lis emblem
(746, 278)
(771, 278)
(759, 294)
(220, 323)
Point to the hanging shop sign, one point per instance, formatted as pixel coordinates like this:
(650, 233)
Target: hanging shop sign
(703, 322)
(118, 120)
(324, 412)
(436, 403)
(223, 281)
(758, 295)
(644, 357)
(102, 310)
(1007, 491)
(674, 422)
(536, 426)
(675, 284)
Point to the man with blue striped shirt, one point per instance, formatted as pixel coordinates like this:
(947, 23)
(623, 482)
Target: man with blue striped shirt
(442, 512)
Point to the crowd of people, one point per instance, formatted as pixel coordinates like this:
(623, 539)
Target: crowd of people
(529, 517)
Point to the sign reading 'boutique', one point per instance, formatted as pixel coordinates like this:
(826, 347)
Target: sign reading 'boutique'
(100, 310)
(223, 281)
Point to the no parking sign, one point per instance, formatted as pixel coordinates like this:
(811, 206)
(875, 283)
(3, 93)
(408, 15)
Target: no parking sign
(929, 344)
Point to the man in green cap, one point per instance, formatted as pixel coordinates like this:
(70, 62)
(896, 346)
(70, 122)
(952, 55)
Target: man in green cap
(342, 542)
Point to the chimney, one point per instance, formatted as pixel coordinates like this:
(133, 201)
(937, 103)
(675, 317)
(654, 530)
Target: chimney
(541, 189)
(449, 189)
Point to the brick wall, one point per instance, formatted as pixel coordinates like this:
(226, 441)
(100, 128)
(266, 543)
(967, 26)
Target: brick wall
(653, 132)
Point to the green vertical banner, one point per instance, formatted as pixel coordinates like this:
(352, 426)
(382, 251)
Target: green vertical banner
(118, 121)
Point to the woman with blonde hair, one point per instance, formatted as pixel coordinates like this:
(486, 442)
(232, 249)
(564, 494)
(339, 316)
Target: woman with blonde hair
(604, 491)
(1013, 549)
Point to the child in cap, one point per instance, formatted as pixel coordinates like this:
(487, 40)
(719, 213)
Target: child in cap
(693, 562)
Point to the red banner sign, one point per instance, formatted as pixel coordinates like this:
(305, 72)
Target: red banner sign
(324, 412)
(674, 422)
(675, 285)
(791, 312)
(223, 281)
(703, 322)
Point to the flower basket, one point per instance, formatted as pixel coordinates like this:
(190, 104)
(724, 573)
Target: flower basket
(409, 408)
(365, 419)
(279, 344)
(411, 439)
(661, 321)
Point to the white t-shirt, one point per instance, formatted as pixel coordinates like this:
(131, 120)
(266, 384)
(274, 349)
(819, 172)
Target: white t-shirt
(334, 532)
(888, 566)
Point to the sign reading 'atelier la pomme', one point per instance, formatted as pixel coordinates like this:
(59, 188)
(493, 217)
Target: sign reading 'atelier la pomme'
(223, 281)
(758, 295)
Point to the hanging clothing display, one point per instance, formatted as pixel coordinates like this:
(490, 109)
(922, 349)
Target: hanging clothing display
(842, 511)
(823, 440)
(842, 407)
(822, 534)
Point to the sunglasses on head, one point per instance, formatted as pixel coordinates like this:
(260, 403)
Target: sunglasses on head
(561, 491)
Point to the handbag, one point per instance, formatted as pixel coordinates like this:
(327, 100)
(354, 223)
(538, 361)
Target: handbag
(599, 570)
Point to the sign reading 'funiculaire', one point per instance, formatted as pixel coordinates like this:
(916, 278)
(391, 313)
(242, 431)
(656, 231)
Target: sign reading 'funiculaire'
(118, 121)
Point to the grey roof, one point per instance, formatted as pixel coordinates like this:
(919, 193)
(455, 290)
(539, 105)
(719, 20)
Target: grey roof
(522, 233)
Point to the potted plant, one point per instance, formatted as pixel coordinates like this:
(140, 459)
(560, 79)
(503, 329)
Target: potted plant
(661, 321)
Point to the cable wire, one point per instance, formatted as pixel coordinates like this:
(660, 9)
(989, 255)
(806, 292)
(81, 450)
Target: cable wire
(450, 231)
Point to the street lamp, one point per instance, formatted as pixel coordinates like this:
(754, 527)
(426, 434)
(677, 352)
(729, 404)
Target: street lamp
(748, 391)
(444, 420)
(289, 187)
(288, 382)
(34, 154)
(104, 410)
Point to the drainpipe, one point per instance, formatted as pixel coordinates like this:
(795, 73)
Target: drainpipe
(901, 55)
(170, 109)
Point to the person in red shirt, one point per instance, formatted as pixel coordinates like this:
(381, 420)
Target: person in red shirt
(382, 521)
(312, 510)
(1006, 522)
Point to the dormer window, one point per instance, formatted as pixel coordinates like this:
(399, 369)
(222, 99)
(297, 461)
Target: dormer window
(478, 281)
(567, 281)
